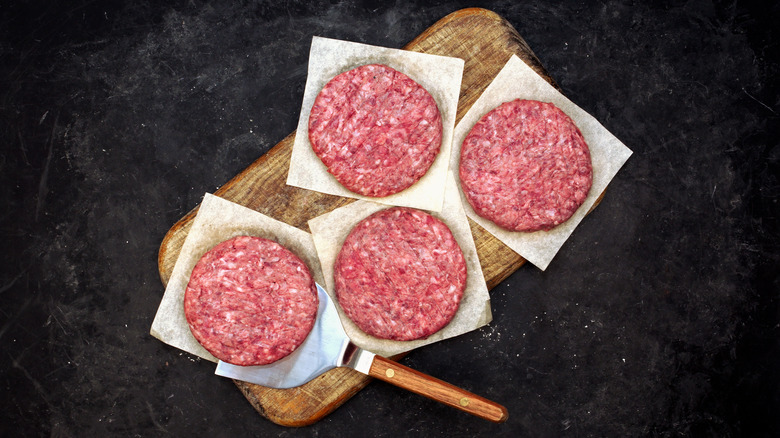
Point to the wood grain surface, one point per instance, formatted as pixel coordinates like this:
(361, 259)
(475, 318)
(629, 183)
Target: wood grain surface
(485, 41)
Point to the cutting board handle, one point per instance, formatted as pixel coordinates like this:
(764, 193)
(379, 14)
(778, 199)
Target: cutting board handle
(435, 389)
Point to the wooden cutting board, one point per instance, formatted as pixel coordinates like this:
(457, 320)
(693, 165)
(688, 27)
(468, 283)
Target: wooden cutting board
(485, 41)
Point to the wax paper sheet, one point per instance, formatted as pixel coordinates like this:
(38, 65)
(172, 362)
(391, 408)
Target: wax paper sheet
(440, 75)
(517, 80)
(219, 220)
(331, 229)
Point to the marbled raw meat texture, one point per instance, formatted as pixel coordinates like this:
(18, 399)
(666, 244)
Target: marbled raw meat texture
(375, 129)
(400, 274)
(250, 301)
(525, 166)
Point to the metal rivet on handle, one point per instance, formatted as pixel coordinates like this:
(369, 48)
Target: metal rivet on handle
(389, 373)
(464, 402)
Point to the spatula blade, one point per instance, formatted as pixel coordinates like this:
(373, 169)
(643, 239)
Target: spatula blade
(320, 352)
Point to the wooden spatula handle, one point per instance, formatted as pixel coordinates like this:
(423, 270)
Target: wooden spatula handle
(433, 388)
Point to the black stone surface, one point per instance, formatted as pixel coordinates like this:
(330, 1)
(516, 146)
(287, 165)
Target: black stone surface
(659, 317)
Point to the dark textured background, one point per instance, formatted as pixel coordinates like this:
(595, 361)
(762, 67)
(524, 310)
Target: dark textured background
(659, 317)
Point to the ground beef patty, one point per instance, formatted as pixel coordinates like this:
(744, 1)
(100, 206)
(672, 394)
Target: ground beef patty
(525, 166)
(250, 301)
(375, 129)
(400, 274)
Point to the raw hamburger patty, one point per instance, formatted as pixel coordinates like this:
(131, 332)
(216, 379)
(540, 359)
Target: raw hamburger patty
(250, 301)
(525, 166)
(375, 129)
(400, 274)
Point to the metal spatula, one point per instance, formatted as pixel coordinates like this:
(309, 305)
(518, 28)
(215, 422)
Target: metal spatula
(328, 347)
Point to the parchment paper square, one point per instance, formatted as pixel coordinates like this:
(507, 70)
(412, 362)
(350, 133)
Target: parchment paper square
(518, 81)
(440, 75)
(219, 220)
(331, 229)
